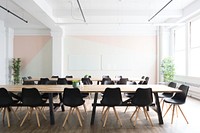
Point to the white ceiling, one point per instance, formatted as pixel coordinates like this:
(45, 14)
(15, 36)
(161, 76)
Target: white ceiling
(66, 12)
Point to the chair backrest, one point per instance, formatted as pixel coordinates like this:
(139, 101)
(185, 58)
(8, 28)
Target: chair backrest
(105, 76)
(31, 97)
(141, 81)
(142, 97)
(112, 97)
(72, 97)
(123, 81)
(62, 81)
(146, 80)
(29, 77)
(54, 76)
(69, 76)
(51, 82)
(28, 82)
(172, 84)
(105, 79)
(181, 96)
(5, 98)
(43, 81)
(86, 81)
(107, 82)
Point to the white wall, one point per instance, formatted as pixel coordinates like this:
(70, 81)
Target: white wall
(6, 54)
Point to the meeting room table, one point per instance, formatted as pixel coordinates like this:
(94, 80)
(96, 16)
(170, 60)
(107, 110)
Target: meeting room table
(94, 89)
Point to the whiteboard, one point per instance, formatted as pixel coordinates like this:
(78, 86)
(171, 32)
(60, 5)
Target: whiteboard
(117, 62)
(84, 62)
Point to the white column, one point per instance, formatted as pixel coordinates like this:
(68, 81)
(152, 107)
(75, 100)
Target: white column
(2, 53)
(164, 46)
(57, 53)
(9, 54)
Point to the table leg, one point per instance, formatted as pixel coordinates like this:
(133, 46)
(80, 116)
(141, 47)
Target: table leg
(94, 108)
(52, 120)
(160, 118)
(61, 102)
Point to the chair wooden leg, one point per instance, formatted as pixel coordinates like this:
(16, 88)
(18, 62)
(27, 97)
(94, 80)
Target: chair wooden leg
(15, 113)
(144, 110)
(134, 113)
(85, 108)
(134, 123)
(103, 115)
(37, 117)
(3, 114)
(7, 115)
(172, 114)
(106, 117)
(183, 114)
(24, 118)
(67, 116)
(147, 114)
(176, 111)
(103, 110)
(167, 110)
(125, 109)
(42, 112)
(78, 115)
(116, 114)
(30, 113)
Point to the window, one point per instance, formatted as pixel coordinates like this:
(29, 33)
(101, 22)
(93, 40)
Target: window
(180, 50)
(194, 68)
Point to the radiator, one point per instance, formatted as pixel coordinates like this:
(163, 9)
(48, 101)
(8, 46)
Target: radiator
(194, 92)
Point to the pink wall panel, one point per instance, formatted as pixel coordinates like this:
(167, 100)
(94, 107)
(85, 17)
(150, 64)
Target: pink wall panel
(27, 47)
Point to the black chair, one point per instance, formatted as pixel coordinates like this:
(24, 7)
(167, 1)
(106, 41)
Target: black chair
(28, 82)
(43, 81)
(129, 95)
(86, 81)
(123, 81)
(141, 81)
(111, 98)
(62, 81)
(165, 94)
(146, 81)
(29, 77)
(6, 103)
(73, 98)
(54, 76)
(32, 98)
(46, 95)
(105, 80)
(178, 99)
(69, 82)
(142, 98)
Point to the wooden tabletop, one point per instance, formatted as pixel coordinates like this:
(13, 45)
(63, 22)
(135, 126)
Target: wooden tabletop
(92, 79)
(90, 88)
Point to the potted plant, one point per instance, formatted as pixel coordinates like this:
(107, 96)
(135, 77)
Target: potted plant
(168, 69)
(76, 83)
(16, 64)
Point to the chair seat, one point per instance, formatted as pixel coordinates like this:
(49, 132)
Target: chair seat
(165, 95)
(74, 103)
(84, 94)
(173, 101)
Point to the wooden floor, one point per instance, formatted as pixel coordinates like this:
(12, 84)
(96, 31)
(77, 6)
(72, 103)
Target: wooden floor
(191, 110)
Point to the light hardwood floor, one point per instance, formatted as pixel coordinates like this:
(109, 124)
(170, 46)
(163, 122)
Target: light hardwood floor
(191, 109)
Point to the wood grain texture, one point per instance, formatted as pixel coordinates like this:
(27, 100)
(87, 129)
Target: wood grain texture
(191, 110)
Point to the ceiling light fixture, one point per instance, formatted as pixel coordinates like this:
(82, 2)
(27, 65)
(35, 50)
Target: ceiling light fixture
(160, 10)
(14, 14)
(81, 10)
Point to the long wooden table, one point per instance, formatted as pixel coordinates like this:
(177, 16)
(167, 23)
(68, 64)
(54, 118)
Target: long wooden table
(92, 79)
(93, 89)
